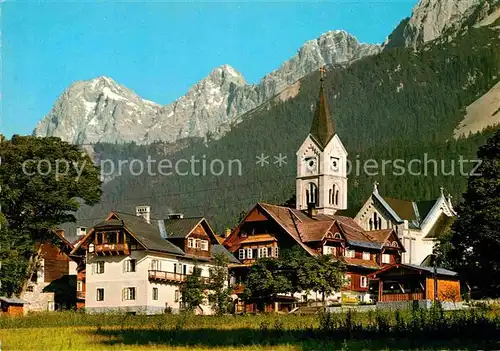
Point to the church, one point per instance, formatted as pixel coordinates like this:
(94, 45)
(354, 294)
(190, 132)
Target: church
(385, 232)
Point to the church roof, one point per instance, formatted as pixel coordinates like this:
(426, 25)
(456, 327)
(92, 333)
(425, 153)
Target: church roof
(322, 127)
(413, 211)
(441, 226)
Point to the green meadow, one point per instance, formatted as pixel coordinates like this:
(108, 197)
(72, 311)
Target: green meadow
(473, 329)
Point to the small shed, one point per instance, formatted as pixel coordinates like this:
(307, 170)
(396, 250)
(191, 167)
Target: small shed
(12, 306)
(409, 282)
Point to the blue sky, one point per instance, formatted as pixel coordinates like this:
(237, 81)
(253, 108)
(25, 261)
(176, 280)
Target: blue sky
(160, 49)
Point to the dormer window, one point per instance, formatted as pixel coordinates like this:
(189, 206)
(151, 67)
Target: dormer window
(337, 236)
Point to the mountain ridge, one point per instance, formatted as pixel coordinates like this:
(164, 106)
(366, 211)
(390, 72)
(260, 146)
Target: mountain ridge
(208, 109)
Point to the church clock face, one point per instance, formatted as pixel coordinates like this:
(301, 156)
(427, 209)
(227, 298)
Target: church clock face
(334, 163)
(310, 164)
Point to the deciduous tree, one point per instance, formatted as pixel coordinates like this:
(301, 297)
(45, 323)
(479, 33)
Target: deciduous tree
(43, 182)
(219, 294)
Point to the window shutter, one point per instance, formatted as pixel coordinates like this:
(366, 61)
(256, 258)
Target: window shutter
(249, 253)
(241, 254)
(124, 290)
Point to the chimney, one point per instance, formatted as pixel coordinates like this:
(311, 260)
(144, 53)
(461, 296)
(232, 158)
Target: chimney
(175, 216)
(144, 212)
(311, 209)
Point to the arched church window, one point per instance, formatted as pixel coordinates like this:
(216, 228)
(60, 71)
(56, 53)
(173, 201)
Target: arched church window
(370, 222)
(307, 197)
(313, 194)
(330, 196)
(337, 197)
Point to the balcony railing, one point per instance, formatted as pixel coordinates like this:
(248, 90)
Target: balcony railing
(112, 249)
(169, 277)
(402, 297)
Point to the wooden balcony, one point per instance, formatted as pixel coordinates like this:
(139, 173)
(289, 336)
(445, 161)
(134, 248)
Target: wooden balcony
(166, 277)
(238, 289)
(111, 249)
(80, 295)
(402, 297)
(169, 277)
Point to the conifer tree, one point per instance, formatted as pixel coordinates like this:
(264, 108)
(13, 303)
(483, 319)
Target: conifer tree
(475, 237)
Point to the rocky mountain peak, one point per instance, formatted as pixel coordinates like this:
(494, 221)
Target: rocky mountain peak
(431, 19)
(101, 110)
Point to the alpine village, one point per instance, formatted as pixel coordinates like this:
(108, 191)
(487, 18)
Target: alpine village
(307, 256)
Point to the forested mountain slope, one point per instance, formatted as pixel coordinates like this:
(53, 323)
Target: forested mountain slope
(400, 104)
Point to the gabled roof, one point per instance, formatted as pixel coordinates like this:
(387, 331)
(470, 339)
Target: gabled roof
(322, 127)
(380, 236)
(414, 267)
(442, 224)
(412, 211)
(147, 234)
(305, 229)
(219, 249)
(13, 300)
(181, 227)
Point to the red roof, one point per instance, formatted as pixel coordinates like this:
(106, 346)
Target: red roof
(306, 229)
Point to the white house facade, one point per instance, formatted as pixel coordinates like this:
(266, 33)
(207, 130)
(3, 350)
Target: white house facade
(137, 265)
(417, 223)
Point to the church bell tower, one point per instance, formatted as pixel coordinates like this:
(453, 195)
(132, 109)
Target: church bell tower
(321, 182)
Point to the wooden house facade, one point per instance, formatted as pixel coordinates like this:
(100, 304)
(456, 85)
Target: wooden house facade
(268, 230)
(409, 282)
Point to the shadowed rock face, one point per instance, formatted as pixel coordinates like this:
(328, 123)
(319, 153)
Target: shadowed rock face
(101, 110)
(432, 18)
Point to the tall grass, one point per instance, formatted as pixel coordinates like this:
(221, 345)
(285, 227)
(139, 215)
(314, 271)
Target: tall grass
(408, 329)
(475, 323)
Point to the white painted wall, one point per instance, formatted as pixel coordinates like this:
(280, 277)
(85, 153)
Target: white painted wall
(115, 279)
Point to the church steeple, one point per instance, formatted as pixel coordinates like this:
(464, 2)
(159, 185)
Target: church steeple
(322, 163)
(322, 128)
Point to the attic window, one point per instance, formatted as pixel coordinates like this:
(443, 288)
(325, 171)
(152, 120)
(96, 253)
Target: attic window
(394, 244)
(81, 231)
(337, 236)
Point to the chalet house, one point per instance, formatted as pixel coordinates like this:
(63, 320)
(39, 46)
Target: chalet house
(268, 230)
(417, 223)
(314, 225)
(52, 286)
(136, 264)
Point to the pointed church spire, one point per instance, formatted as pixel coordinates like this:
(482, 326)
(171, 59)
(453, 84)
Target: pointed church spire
(322, 128)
